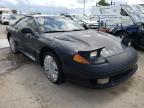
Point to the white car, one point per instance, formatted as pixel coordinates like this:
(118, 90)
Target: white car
(5, 18)
(14, 18)
(87, 22)
(10, 19)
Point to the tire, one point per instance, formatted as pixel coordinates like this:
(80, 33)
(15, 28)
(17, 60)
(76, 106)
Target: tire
(13, 45)
(6, 23)
(52, 68)
(142, 43)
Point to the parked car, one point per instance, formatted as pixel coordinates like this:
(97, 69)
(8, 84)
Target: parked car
(5, 18)
(14, 18)
(135, 33)
(87, 22)
(69, 52)
(124, 14)
(74, 19)
(10, 19)
(84, 21)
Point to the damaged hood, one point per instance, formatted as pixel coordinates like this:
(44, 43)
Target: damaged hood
(89, 40)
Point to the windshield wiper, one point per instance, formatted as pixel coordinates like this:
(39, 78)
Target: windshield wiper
(63, 31)
(53, 31)
(78, 30)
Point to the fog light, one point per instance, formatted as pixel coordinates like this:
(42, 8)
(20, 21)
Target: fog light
(103, 81)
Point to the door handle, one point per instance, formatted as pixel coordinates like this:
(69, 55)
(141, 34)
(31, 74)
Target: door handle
(26, 36)
(29, 36)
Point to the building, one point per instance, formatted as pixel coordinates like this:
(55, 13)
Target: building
(5, 10)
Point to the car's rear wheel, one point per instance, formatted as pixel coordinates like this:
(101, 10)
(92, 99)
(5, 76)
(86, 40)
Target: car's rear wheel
(52, 68)
(13, 46)
(142, 43)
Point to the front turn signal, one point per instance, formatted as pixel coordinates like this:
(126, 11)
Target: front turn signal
(78, 58)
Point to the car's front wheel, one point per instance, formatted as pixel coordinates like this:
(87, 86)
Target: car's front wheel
(13, 46)
(52, 68)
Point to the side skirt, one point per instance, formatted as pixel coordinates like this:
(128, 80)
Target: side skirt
(28, 55)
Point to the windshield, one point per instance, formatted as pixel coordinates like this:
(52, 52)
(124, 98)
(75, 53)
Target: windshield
(142, 9)
(75, 19)
(135, 13)
(53, 24)
(83, 18)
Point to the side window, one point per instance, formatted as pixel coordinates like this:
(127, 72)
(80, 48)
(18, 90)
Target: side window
(123, 13)
(31, 23)
(22, 23)
(27, 22)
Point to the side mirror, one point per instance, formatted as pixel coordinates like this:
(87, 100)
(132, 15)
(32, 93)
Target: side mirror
(27, 30)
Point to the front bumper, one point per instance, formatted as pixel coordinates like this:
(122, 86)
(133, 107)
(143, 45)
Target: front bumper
(118, 68)
(93, 26)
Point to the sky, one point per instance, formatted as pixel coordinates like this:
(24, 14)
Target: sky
(56, 6)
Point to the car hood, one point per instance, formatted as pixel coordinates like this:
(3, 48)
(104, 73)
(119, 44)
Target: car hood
(89, 40)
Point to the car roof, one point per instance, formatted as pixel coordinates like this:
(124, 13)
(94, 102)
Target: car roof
(36, 16)
(73, 14)
(43, 15)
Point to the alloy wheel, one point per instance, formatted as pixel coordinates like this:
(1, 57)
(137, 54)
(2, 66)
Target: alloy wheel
(51, 68)
(12, 45)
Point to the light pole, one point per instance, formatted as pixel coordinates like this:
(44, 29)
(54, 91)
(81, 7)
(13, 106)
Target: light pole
(46, 7)
(84, 8)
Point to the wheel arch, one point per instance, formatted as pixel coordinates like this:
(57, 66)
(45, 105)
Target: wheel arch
(42, 54)
(8, 35)
(119, 31)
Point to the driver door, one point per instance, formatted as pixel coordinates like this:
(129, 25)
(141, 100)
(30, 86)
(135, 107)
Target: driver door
(31, 39)
(19, 36)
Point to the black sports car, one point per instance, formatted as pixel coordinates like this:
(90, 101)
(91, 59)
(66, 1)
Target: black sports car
(69, 52)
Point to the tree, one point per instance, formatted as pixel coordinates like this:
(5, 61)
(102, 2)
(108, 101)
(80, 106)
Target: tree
(103, 3)
(1, 12)
(14, 11)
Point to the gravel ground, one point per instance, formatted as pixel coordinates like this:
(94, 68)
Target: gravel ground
(4, 43)
(2, 31)
(24, 85)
